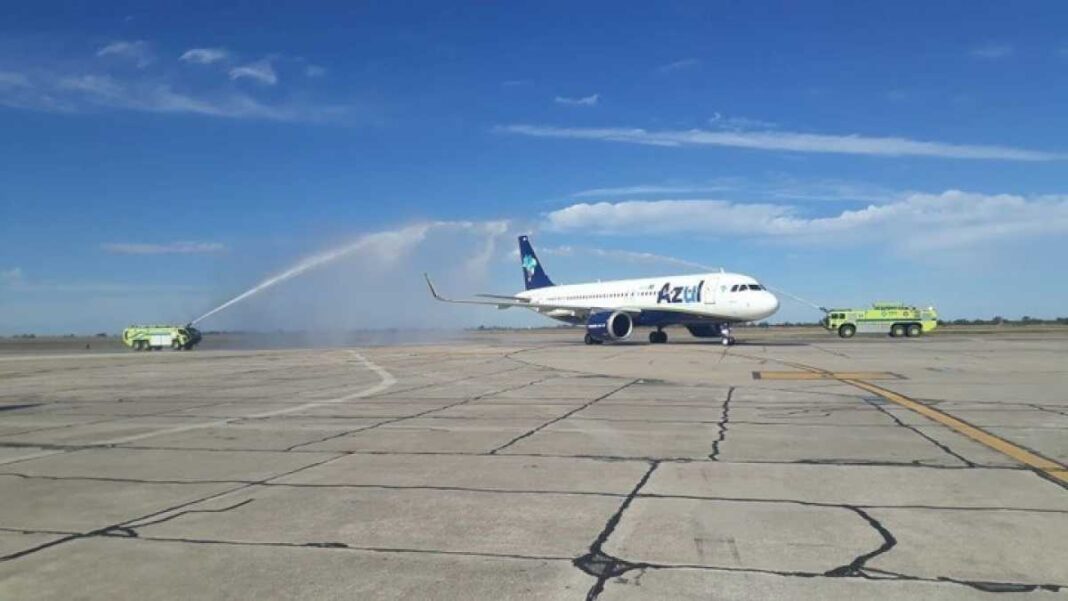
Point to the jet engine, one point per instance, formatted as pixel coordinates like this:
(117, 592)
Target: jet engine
(609, 325)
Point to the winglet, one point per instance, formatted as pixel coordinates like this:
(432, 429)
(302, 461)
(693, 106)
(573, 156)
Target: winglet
(433, 292)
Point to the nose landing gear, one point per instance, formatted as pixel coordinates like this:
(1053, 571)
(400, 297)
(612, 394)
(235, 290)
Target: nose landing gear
(726, 338)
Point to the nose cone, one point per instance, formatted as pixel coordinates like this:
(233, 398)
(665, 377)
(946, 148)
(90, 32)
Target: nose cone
(768, 304)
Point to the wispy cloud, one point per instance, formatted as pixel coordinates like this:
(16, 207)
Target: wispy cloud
(10, 79)
(184, 248)
(15, 280)
(735, 123)
(624, 255)
(647, 190)
(680, 65)
(773, 188)
(261, 71)
(787, 141)
(993, 51)
(590, 100)
(961, 219)
(137, 52)
(102, 81)
(88, 92)
(204, 56)
(314, 71)
(9, 277)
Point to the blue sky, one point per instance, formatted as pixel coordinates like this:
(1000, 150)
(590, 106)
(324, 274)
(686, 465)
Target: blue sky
(158, 160)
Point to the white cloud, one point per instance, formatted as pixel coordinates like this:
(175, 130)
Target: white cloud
(204, 56)
(138, 52)
(915, 222)
(11, 277)
(261, 71)
(788, 141)
(590, 100)
(314, 71)
(680, 65)
(993, 51)
(125, 248)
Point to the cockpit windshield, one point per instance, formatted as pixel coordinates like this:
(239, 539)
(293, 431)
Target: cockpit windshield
(741, 287)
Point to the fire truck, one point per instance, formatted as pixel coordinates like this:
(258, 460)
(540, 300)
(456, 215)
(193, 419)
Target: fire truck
(897, 320)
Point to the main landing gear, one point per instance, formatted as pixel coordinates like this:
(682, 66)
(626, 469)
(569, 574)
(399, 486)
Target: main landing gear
(726, 339)
(657, 336)
(591, 340)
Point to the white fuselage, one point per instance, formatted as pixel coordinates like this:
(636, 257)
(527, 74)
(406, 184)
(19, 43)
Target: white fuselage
(727, 297)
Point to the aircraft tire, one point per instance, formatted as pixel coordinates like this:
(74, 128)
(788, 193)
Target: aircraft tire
(589, 339)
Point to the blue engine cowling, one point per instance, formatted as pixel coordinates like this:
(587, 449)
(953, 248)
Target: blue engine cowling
(609, 325)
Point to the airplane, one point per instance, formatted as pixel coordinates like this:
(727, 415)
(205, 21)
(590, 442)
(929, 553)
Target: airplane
(706, 304)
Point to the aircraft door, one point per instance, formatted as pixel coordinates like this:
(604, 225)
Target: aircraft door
(708, 295)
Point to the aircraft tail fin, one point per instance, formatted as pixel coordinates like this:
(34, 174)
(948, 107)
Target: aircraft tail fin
(533, 274)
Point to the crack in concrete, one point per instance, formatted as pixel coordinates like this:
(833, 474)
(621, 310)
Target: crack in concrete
(179, 514)
(851, 506)
(534, 431)
(856, 567)
(987, 586)
(722, 425)
(18, 407)
(415, 415)
(1048, 410)
(334, 545)
(880, 407)
(599, 564)
(66, 539)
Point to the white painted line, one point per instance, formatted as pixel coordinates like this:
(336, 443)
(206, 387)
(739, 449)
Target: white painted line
(386, 380)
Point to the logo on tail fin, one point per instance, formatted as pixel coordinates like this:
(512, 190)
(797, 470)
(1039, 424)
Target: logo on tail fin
(533, 272)
(529, 265)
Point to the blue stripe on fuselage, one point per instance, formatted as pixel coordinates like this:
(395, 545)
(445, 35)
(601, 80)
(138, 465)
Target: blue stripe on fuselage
(653, 318)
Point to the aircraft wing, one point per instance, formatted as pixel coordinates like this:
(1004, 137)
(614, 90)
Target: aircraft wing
(504, 302)
(504, 297)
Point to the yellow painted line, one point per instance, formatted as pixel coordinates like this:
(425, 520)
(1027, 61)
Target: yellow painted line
(866, 375)
(1054, 470)
(1048, 466)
